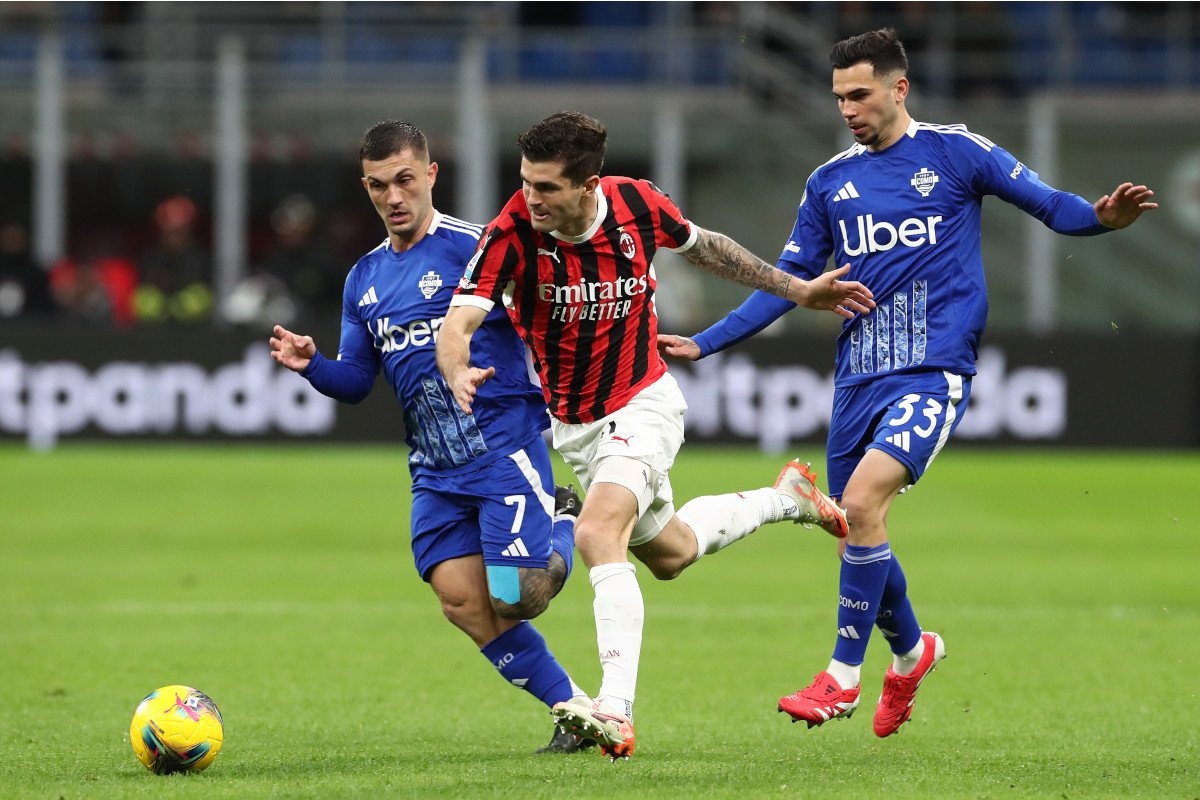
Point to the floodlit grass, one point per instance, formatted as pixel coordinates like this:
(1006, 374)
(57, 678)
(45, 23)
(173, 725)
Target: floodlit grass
(280, 582)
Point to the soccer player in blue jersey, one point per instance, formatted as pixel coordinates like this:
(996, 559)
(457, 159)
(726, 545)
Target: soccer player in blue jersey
(902, 206)
(486, 533)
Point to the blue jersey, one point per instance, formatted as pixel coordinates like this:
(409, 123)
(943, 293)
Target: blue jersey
(907, 220)
(393, 306)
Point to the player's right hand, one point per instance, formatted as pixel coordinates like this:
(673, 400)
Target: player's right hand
(292, 350)
(827, 292)
(466, 383)
(678, 346)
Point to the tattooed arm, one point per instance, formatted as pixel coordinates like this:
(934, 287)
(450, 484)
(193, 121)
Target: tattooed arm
(717, 253)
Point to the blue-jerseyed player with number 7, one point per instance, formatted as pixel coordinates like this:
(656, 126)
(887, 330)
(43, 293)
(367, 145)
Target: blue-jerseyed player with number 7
(490, 533)
(902, 206)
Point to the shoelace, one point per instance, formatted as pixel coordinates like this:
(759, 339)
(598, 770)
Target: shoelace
(900, 697)
(813, 693)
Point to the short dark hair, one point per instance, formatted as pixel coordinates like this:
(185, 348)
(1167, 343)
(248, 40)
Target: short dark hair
(881, 48)
(574, 138)
(390, 137)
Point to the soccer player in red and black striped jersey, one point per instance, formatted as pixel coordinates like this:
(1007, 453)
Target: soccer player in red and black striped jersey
(571, 257)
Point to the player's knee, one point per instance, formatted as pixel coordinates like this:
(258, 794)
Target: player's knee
(666, 569)
(860, 513)
(463, 609)
(461, 619)
(589, 535)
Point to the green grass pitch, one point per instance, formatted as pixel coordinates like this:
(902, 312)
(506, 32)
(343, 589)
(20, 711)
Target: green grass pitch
(1066, 585)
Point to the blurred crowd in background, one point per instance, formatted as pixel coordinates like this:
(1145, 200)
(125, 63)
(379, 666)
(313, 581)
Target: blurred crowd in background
(161, 270)
(140, 226)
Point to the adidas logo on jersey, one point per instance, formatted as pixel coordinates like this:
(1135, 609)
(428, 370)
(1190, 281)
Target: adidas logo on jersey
(901, 440)
(846, 192)
(516, 549)
(368, 298)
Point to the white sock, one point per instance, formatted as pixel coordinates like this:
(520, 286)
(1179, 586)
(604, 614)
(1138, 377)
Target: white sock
(904, 664)
(619, 614)
(617, 704)
(790, 509)
(847, 675)
(720, 520)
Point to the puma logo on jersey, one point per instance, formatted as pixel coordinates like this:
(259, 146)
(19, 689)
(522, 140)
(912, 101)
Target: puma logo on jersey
(552, 253)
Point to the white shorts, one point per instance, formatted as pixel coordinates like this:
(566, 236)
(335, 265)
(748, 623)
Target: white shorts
(633, 447)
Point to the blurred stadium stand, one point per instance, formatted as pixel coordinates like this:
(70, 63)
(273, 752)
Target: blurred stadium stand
(726, 104)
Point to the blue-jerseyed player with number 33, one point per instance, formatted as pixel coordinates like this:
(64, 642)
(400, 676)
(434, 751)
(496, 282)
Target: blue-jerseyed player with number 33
(902, 206)
(490, 533)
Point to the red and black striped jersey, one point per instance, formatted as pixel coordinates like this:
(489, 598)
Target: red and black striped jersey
(584, 304)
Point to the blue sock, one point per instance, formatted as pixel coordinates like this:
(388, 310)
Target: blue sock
(864, 573)
(524, 660)
(896, 619)
(562, 540)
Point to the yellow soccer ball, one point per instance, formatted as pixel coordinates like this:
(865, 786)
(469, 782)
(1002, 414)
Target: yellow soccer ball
(176, 729)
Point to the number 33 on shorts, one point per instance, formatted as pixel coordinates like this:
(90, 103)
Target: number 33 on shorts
(915, 427)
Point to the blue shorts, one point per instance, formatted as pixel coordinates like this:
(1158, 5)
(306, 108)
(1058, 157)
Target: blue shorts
(908, 415)
(504, 510)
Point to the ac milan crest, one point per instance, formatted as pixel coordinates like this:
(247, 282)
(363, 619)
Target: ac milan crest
(628, 248)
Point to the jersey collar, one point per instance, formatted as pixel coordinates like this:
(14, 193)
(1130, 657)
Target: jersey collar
(601, 213)
(433, 224)
(909, 133)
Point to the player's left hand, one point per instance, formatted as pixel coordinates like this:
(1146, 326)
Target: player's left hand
(678, 346)
(466, 383)
(1126, 203)
(827, 292)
